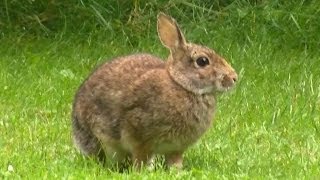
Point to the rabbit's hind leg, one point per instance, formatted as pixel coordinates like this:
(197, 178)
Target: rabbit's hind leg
(86, 142)
(115, 155)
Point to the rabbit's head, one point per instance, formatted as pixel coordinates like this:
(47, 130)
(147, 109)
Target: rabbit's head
(196, 68)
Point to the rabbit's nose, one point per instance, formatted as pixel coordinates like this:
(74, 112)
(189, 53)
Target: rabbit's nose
(234, 77)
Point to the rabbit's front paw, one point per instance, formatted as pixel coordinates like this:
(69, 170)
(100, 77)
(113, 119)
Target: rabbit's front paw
(174, 160)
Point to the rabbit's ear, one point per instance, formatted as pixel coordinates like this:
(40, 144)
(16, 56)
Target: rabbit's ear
(169, 32)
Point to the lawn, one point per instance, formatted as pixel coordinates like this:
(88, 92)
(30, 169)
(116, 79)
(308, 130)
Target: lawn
(267, 127)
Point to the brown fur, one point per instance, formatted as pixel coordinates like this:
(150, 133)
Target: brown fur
(138, 105)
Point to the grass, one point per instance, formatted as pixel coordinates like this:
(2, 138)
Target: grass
(267, 127)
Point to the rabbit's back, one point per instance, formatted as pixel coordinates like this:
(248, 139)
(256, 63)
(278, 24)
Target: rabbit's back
(101, 95)
(121, 72)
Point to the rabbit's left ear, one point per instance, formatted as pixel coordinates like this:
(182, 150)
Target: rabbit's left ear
(170, 33)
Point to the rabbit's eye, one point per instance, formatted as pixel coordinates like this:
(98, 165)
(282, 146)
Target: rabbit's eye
(202, 61)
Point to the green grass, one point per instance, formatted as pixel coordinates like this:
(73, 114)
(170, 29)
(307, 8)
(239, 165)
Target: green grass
(267, 127)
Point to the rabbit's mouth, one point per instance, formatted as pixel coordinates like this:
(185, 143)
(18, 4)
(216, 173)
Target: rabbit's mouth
(220, 88)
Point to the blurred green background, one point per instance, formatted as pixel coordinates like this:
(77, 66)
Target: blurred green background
(292, 24)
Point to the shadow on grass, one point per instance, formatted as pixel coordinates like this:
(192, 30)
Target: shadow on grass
(192, 163)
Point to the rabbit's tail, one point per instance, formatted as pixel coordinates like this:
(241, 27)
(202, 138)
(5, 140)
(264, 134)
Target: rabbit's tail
(85, 141)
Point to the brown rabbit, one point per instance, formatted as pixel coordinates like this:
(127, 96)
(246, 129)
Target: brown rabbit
(138, 105)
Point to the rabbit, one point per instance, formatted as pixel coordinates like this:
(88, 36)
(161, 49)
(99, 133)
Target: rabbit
(137, 106)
